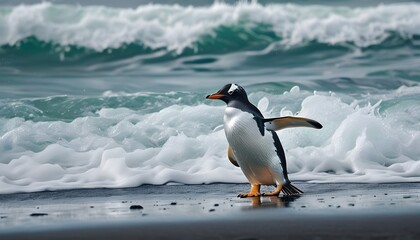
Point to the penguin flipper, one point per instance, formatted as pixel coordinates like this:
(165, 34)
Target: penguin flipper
(231, 157)
(289, 122)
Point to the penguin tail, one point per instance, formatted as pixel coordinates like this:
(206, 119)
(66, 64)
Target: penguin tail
(290, 190)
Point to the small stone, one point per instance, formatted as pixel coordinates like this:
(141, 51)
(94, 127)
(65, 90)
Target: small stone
(136, 207)
(38, 214)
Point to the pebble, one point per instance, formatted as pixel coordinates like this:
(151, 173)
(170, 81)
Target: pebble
(136, 207)
(38, 214)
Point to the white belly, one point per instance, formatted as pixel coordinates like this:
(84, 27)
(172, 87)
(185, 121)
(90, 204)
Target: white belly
(255, 154)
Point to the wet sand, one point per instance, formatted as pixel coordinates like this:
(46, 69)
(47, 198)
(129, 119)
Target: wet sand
(327, 211)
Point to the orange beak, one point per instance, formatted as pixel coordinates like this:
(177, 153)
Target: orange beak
(215, 96)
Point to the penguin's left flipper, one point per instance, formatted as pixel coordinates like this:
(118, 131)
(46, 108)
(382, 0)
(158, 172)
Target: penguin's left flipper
(231, 157)
(279, 123)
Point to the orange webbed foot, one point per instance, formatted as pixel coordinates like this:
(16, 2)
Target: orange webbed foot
(245, 195)
(254, 192)
(276, 192)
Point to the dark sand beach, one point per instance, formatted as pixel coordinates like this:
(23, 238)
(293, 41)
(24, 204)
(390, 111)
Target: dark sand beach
(325, 211)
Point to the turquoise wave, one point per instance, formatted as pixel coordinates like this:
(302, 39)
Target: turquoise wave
(48, 41)
(32, 52)
(54, 33)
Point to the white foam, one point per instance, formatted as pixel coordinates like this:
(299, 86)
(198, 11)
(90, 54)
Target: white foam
(186, 144)
(357, 144)
(117, 148)
(174, 27)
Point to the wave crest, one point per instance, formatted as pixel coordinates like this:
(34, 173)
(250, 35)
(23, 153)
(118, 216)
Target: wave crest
(177, 28)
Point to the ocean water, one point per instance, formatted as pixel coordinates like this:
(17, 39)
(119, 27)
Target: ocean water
(107, 96)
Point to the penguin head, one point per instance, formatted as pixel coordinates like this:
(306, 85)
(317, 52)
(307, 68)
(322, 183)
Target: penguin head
(230, 92)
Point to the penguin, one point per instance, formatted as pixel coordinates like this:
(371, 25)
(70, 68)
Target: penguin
(254, 145)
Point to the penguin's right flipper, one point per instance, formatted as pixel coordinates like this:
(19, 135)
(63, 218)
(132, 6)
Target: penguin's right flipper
(231, 157)
(289, 122)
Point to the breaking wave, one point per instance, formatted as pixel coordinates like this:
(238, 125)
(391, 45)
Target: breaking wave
(178, 137)
(218, 28)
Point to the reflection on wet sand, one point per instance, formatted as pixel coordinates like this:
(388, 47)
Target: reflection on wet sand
(268, 202)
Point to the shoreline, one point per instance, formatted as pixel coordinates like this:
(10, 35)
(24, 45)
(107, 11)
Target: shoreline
(328, 211)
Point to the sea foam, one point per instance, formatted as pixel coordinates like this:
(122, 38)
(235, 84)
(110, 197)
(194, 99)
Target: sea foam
(369, 140)
(176, 28)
